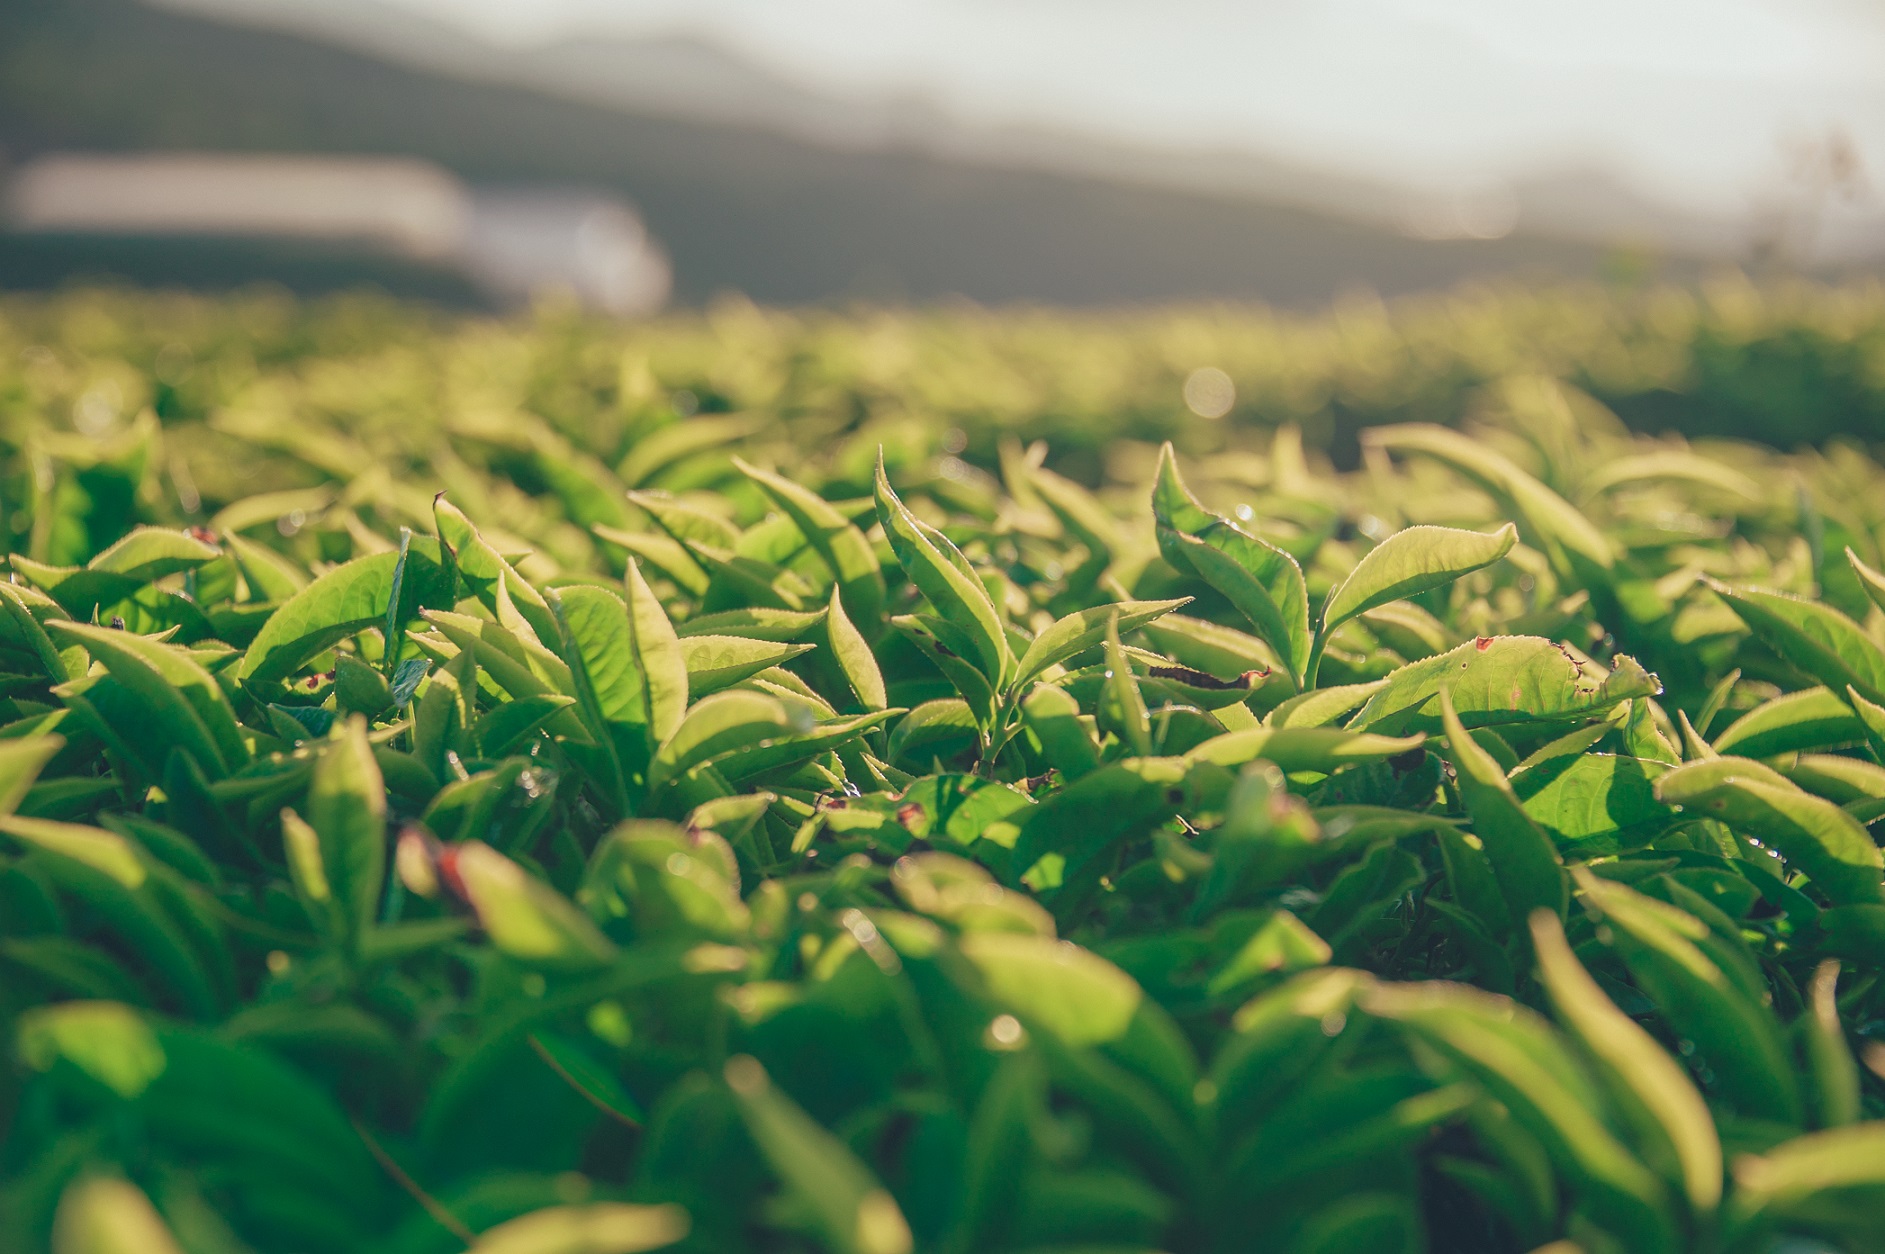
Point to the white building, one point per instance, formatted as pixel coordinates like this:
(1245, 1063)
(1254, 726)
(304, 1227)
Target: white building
(513, 243)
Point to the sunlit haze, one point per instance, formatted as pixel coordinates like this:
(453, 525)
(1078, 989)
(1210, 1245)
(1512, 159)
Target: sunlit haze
(1723, 109)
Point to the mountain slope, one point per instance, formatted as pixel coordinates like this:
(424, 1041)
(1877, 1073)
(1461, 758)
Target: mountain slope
(778, 219)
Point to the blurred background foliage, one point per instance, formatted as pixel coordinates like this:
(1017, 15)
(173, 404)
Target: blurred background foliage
(323, 429)
(1789, 366)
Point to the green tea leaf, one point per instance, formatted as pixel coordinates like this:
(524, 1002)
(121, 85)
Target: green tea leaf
(1663, 1105)
(500, 731)
(106, 1040)
(853, 656)
(659, 655)
(1521, 1063)
(1053, 720)
(1322, 706)
(1530, 872)
(1835, 1177)
(347, 809)
(1172, 503)
(851, 1211)
(307, 871)
(718, 725)
(520, 667)
(1549, 522)
(187, 707)
(341, 603)
(1055, 987)
(1210, 647)
(756, 622)
(1870, 580)
(1738, 1040)
(845, 551)
(1677, 464)
(142, 557)
(1813, 718)
(1088, 817)
(1579, 796)
(1852, 783)
(1122, 709)
(947, 719)
(1832, 1073)
(748, 760)
(102, 1214)
(1717, 698)
(269, 575)
(943, 575)
(117, 881)
(484, 569)
(525, 918)
(1277, 1037)
(668, 556)
(716, 662)
(360, 689)
(1079, 512)
(1081, 630)
(586, 1228)
(27, 627)
(611, 689)
(21, 761)
(653, 452)
(1812, 636)
(445, 714)
(1283, 944)
(1410, 562)
(1500, 680)
(1263, 581)
(1810, 832)
(1366, 1221)
(1324, 749)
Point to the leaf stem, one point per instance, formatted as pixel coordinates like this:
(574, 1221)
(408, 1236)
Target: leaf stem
(549, 1060)
(1311, 668)
(433, 1207)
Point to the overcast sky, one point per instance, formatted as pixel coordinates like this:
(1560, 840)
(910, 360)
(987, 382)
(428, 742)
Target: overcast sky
(1697, 103)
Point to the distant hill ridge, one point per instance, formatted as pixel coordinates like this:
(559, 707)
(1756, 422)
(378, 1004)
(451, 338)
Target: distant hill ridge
(780, 219)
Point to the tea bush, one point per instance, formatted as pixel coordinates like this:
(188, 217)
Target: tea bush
(457, 792)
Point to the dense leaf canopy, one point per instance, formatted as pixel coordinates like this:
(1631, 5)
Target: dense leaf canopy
(455, 795)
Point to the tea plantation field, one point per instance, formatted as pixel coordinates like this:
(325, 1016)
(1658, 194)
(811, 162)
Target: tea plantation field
(885, 783)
